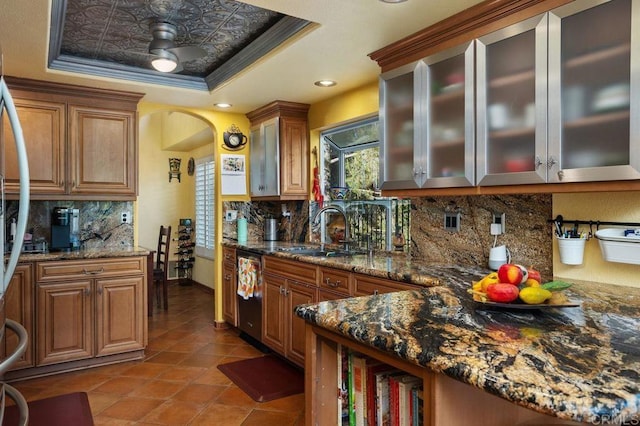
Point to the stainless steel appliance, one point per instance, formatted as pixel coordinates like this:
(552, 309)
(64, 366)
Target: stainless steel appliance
(270, 229)
(250, 309)
(6, 104)
(65, 227)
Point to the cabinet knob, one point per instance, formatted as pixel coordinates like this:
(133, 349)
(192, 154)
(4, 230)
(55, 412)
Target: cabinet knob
(560, 175)
(333, 284)
(87, 291)
(227, 277)
(375, 292)
(84, 271)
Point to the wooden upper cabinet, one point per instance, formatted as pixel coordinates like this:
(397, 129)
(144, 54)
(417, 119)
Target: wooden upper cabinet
(103, 151)
(289, 145)
(81, 142)
(44, 129)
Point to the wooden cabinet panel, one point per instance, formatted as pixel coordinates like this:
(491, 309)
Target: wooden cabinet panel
(290, 268)
(19, 307)
(273, 312)
(119, 317)
(297, 294)
(335, 280)
(294, 153)
(72, 269)
(229, 288)
(364, 285)
(44, 129)
(64, 322)
(103, 152)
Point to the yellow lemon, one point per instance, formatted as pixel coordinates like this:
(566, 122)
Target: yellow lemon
(492, 278)
(534, 295)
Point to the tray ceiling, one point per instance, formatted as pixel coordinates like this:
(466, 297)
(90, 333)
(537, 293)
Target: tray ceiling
(111, 38)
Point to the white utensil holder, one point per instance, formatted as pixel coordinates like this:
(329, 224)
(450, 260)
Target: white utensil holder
(571, 250)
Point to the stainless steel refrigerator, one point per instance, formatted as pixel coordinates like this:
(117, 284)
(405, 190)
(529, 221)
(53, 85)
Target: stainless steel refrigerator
(11, 259)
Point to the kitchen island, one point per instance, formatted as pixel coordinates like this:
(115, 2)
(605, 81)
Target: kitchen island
(580, 364)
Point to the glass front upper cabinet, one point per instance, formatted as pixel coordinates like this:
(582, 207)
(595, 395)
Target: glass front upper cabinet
(399, 110)
(449, 118)
(427, 122)
(511, 93)
(594, 128)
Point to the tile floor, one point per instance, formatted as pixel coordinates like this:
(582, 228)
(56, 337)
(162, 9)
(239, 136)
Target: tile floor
(178, 383)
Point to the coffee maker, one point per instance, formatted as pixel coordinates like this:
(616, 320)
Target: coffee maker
(65, 228)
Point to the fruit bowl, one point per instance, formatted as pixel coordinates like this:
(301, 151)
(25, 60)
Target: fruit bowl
(339, 192)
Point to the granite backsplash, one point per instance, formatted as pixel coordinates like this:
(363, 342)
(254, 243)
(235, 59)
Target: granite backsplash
(100, 226)
(527, 234)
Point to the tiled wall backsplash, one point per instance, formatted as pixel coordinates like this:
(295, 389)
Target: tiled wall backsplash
(528, 235)
(100, 225)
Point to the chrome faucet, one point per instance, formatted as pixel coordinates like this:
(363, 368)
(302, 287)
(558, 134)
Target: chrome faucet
(347, 235)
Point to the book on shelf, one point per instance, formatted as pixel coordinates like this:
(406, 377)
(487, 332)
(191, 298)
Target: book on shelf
(417, 406)
(343, 386)
(405, 386)
(383, 396)
(359, 371)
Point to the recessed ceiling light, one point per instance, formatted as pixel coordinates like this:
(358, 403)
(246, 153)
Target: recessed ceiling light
(393, 1)
(325, 83)
(222, 105)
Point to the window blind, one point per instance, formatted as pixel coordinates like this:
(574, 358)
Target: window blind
(204, 203)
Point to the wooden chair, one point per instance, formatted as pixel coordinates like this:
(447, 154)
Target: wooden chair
(161, 268)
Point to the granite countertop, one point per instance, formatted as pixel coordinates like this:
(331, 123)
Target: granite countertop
(84, 254)
(580, 364)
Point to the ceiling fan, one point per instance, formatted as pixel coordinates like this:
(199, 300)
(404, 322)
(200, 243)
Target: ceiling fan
(167, 56)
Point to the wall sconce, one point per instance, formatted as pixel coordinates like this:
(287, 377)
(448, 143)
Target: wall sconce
(174, 168)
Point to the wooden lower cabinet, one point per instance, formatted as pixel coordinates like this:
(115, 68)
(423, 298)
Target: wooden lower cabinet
(283, 331)
(229, 287)
(87, 312)
(19, 302)
(64, 323)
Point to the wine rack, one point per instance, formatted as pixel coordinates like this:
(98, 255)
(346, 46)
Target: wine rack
(185, 252)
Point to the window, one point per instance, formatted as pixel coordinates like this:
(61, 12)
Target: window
(351, 158)
(204, 200)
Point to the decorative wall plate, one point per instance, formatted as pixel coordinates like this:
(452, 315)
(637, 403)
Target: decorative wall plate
(191, 166)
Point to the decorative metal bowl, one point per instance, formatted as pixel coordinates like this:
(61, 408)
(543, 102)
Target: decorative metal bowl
(339, 192)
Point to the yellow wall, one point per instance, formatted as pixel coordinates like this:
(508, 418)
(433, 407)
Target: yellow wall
(163, 202)
(603, 206)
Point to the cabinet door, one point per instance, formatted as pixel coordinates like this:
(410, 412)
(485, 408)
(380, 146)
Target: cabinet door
(19, 307)
(103, 151)
(273, 312)
(297, 294)
(44, 130)
(265, 159)
(294, 153)
(64, 322)
(593, 122)
(120, 315)
(450, 135)
(512, 103)
(403, 161)
(229, 299)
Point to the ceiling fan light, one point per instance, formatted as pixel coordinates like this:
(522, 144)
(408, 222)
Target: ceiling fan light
(165, 62)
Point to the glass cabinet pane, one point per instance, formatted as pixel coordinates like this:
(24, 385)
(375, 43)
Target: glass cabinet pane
(271, 158)
(450, 147)
(397, 127)
(592, 54)
(512, 71)
(256, 155)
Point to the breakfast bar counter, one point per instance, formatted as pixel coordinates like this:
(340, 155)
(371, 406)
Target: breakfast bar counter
(580, 364)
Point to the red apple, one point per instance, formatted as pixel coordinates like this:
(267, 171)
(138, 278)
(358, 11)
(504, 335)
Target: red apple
(534, 275)
(510, 273)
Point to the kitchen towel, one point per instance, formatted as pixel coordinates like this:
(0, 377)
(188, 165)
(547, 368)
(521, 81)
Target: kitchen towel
(248, 277)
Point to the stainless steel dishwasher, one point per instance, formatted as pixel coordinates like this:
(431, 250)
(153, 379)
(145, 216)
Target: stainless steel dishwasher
(250, 309)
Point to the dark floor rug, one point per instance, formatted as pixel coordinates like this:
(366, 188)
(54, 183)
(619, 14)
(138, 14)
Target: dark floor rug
(64, 410)
(265, 378)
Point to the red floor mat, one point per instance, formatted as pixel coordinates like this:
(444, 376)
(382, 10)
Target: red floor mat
(265, 378)
(64, 410)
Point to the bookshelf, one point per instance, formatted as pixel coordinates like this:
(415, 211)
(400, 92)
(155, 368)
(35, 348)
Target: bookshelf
(446, 401)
